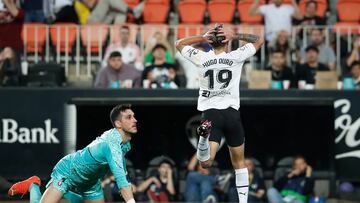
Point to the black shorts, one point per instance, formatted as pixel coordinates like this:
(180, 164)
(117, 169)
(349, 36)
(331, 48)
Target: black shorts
(227, 123)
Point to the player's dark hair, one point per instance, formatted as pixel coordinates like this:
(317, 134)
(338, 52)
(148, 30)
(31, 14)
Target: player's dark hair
(116, 111)
(217, 40)
(115, 54)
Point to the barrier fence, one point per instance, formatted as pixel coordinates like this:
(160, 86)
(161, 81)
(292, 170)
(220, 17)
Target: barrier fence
(85, 44)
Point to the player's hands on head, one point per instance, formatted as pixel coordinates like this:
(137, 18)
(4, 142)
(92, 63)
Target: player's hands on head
(208, 35)
(228, 33)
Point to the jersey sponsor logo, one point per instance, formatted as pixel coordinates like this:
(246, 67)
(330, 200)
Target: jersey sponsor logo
(12, 133)
(192, 52)
(224, 61)
(348, 128)
(220, 93)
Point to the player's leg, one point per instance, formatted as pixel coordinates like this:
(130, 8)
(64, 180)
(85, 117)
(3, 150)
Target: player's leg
(234, 134)
(214, 146)
(210, 135)
(51, 195)
(31, 185)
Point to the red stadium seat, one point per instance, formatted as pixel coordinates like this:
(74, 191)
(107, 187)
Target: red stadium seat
(34, 37)
(243, 7)
(221, 11)
(321, 7)
(186, 30)
(349, 16)
(93, 37)
(156, 11)
(63, 36)
(192, 11)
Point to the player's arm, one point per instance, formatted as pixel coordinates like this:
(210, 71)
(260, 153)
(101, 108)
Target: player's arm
(188, 41)
(115, 160)
(254, 9)
(229, 34)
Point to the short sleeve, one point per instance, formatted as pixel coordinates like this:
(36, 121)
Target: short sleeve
(244, 52)
(192, 54)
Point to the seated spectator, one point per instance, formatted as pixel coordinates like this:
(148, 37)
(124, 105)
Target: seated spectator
(355, 53)
(326, 53)
(294, 187)
(307, 71)
(118, 74)
(110, 188)
(277, 16)
(9, 68)
(199, 183)
(278, 68)
(11, 24)
(283, 43)
(34, 11)
(161, 73)
(157, 38)
(355, 73)
(256, 185)
(113, 11)
(130, 51)
(161, 187)
(60, 11)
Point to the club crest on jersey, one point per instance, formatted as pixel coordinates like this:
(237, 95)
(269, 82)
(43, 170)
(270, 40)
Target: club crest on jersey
(193, 52)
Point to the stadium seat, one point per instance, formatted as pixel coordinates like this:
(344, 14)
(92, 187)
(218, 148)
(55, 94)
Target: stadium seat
(221, 11)
(115, 32)
(147, 30)
(186, 30)
(63, 36)
(156, 11)
(34, 37)
(243, 7)
(283, 166)
(131, 3)
(192, 11)
(321, 7)
(93, 37)
(349, 16)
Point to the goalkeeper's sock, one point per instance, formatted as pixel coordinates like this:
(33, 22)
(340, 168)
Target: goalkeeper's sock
(35, 194)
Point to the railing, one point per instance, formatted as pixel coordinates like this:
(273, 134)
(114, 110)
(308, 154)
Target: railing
(84, 45)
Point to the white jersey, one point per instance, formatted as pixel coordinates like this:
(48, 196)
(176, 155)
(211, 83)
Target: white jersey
(219, 76)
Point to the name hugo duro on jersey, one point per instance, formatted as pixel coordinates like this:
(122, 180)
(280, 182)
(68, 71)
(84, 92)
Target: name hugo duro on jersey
(216, 61)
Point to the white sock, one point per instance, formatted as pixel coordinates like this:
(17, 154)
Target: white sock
(242, 184)
(203, 149)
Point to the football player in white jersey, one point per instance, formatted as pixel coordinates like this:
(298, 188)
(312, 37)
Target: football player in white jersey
(219, 99)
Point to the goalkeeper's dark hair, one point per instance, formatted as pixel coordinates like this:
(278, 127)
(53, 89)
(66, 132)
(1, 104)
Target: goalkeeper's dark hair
(217, 40)
(116, 112)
